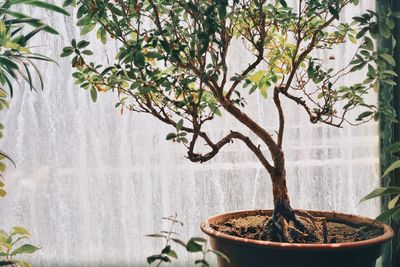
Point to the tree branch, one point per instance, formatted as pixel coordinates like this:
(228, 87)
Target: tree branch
(253, 126)
(194, 157)
(260, 48)
(279, 107)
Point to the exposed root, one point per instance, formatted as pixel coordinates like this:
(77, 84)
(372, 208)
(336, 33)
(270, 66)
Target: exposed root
(313, 220)
(289, 226)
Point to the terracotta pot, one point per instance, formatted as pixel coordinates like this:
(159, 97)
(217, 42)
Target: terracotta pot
(244, 252)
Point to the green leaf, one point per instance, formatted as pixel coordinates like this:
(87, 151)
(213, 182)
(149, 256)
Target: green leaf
(257, 76)
(153, 55)
(154, 258)
(264, 91)
(385, 30)
(382, 191)
(183, 140)
(166, 249)
(396, 14)
(2, 167)
(102, 35)
(389, 82)
(157, 235)
(68, 3)
(3, 193)
(192, 246)
(44, 5)
(395, 148)
(390, 59)
(36, 24)
(82, 44)
(364, 115)
(87, 28)
(390, 72)
(179, 125)
(27, 248)
(352, 39)
(369, 44)
(66, 53)
(93, 94)
(8, 63)
(395, 165)
(170, 136)
(87, 52)
(393, 202)
(21, 231)
(387, 215)
(172, 254)
(283, 3)
(165, 46)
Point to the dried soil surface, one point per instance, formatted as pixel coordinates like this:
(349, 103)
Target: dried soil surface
(251, 227)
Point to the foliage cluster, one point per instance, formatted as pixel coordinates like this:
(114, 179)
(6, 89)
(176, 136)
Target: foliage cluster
(10, 246)
(16, 57)
(197, 245)
(172, 62)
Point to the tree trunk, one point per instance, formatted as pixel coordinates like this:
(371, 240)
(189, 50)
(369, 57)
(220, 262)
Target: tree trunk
(281, 197)
(284, 225)
(279, 186)
(280, 191)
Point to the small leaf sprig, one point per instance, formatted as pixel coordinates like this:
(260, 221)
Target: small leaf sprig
(10, 246)
(179, 136)
(194, 245)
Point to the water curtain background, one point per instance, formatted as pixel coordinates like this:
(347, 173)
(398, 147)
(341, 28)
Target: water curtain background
(90, 182)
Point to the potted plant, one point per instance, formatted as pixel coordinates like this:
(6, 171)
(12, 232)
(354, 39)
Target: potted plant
(172, 64)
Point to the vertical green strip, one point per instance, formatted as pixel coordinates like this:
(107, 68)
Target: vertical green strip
(396, 132)
(389, 101)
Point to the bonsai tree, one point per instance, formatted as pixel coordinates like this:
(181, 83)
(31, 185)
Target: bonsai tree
(172, 64)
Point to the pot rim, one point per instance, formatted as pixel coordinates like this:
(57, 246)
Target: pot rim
(331, 216)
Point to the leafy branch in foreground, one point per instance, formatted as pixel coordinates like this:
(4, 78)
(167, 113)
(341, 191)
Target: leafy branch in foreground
(10, 246)
(388, 114)
(173, 65)
(18, 61)
(16, 58)
(393, 209)
(194, 245)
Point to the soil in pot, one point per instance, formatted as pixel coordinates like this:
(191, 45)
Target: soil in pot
(332, 232)
(351, 241)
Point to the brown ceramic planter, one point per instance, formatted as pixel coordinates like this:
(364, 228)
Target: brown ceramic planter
(244, 252)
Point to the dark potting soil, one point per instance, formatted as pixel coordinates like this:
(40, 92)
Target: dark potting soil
(251, 227)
